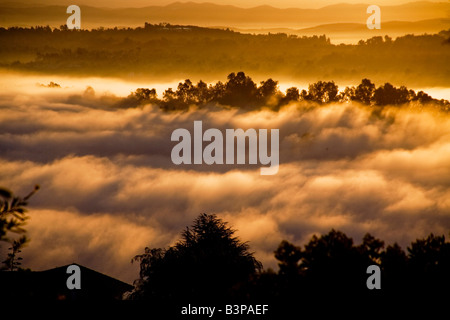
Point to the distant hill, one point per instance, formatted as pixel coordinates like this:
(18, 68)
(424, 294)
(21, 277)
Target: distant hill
(353, 32)
(207, 14)
(238, 3)
(163, 52)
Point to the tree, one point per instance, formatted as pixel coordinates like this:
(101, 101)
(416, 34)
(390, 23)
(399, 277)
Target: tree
(388, 94)
(375, 41)
(292, 94)
(328, 259)
(186, 92)
(203, 94)
(429, 262)
(348, 94)
(208, 262)
(371, 247)
(171, 101)
(267, 90)
(304, 95)
(240, 91)
(12, 220)
(423, 97)
(364, 91)
(217, 91)
(145, 95)
(139, 97)
(328, 264)
(288, 256)
(394, 268)
(323, 92)
(332, 265)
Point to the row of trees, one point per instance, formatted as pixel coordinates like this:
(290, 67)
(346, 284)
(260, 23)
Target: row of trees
(241, 91)
(332, 262)
(164, 52)
(210, 264)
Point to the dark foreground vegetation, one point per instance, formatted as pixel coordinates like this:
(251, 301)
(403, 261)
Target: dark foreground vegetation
(210, 264)
(13, 217)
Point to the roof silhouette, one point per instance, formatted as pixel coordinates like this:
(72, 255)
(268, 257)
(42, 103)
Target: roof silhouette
(50, 285)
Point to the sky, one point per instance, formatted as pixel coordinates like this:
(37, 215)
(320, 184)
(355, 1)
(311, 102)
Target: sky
(239, 3)
(109, 188)
(234, 17)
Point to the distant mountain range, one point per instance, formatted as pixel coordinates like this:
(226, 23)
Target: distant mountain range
(238, 3)
(352, 32)
(208, 14)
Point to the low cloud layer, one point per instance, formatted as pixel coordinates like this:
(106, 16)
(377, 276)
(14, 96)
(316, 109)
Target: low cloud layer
(109, 188)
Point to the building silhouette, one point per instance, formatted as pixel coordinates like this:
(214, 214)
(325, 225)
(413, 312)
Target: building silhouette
(50, 285)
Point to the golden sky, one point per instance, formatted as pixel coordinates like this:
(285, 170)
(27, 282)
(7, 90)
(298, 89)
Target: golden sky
(240, 3)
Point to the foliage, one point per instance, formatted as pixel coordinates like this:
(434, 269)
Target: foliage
(208, 262)
(12, 220)
(242, 92)
(333, 264)
(164, 52)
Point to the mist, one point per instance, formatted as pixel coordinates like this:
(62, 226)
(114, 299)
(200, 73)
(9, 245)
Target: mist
(109, 187)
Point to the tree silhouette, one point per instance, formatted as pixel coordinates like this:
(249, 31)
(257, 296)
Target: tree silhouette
(388, 94)
(292, 94)
(323, 92)
(288, 256)
(267, 90)
(394, 266)
(186, 92)
(13, 262)
(240, 91)
(333, 264)
(364, 91)
(12, 220)
(203, 93)
(371, 248)
(423, 97)
(429, 263)
(208, 262)
(145, 95)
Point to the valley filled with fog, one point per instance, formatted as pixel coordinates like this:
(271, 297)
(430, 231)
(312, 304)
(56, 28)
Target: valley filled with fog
(109, 187)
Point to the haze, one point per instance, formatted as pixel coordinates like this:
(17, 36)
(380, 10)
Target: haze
(239, 3)
(109, 188)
